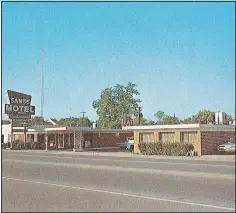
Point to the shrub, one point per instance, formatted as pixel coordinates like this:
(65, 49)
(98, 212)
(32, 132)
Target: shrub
(28, 145)
(167, 148)
(17, 144)
(5, 145)
(35, 145)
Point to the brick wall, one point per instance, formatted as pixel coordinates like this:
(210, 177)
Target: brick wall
(109, 139)
(211, 140)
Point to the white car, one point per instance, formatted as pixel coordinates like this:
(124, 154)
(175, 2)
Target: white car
(229, 146)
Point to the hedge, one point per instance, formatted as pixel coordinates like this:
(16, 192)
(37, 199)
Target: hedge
(167, 148)
(29, 145)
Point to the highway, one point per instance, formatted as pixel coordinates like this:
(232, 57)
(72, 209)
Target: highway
(71, 182)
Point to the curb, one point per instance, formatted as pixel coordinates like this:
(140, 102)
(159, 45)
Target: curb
(131, 155)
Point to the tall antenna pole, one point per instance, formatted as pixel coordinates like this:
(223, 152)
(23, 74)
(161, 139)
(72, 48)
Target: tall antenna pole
(42, 84)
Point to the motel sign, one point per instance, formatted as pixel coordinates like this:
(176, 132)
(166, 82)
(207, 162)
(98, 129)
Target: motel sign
(19, 109)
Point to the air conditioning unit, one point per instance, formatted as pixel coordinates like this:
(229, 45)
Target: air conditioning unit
(221, 118)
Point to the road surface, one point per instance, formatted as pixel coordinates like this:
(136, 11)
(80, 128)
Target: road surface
(60, 183)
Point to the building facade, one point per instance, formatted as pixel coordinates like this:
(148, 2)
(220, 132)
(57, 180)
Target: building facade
(6, 131)
(204, 137)
(65, 137)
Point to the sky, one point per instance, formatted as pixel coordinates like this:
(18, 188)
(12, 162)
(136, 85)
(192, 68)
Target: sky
(180, 55)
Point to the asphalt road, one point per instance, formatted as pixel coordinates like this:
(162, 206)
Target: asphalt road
(58, 182)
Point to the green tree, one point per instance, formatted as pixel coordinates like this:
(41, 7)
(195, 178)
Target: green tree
(72, 121)
(168, 119)
(188, 120)
(160, 115)
(150, 122)
(204, 117)
(229, 117)
(116, 103)
(36, 120)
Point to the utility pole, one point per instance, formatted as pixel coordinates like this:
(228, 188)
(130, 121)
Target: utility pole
(139, 115)
(42, 85)
(82, 142)
(83, 118)
(174, 118)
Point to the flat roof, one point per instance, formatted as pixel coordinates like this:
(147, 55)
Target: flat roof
(74, 128)
(201, 127)
(162, 127)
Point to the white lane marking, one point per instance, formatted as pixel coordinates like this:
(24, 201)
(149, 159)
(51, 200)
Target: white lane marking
(127, 169)
(131, 161)
(119, 193)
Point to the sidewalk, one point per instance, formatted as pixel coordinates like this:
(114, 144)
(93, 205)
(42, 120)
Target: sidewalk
(230, 158)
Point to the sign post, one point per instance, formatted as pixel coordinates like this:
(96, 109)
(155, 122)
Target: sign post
(74, 142)
(46, 141)
(11, 135)
(25, 130)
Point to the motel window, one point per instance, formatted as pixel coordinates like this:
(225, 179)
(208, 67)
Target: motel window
(30, 137)
(189, 137)
(146, 137)
(167, 136)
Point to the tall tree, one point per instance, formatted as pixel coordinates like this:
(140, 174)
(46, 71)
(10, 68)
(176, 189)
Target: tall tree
(204, 117)
(116, 103)
(166, 119)
(160, 115)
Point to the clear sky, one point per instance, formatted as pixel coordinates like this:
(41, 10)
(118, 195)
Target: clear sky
(181, 55)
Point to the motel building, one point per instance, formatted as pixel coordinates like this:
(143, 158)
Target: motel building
(64, 137)
(204, 137)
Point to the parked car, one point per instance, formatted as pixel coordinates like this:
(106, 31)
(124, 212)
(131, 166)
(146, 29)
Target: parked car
(122, 145)
(130, 144)
(229, 146)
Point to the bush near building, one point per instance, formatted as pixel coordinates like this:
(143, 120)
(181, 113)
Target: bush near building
(167, 148)
(19, 145)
